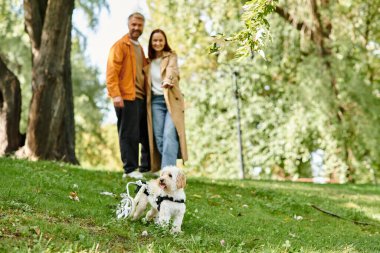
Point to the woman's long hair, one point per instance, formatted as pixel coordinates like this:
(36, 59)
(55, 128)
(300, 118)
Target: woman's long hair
(151, 51)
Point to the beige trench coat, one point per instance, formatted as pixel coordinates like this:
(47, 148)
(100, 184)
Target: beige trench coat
(174, 102)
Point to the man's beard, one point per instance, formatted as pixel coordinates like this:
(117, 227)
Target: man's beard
(136, 32)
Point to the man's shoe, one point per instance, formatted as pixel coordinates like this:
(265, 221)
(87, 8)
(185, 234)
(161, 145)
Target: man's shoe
(133, 174)
(144, 169)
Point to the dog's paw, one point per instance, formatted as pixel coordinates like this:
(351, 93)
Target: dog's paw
(176, 231)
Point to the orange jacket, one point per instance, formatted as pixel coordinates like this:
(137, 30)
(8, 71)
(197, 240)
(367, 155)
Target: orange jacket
(121, 69)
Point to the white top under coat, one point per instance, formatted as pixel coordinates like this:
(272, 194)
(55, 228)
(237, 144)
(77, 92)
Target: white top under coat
(155, 74)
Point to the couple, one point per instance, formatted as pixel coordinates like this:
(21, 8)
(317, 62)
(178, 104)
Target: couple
(148, 102)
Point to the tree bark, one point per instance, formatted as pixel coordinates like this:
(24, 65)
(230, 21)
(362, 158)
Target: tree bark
(34, 19)
(66, 139)
(50, 133)
(10, 111)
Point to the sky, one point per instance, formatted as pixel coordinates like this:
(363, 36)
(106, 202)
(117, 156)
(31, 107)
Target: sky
(112, 26)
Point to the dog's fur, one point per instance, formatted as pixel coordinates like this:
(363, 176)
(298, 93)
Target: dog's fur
(171, 183)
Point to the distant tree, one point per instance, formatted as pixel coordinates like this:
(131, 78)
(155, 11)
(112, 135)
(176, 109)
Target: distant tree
(318, 30)
(10, 110)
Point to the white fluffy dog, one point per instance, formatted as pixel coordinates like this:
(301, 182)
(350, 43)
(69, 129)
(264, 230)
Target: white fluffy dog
(166, 197)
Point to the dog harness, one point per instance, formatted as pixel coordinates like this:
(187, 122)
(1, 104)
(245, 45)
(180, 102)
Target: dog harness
(159, 198)
(162, 198)
(139, 187)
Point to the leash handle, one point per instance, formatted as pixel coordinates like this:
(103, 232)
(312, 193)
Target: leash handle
(128, 188)
(138, 183)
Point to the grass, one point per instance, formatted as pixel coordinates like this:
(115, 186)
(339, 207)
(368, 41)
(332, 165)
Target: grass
(37, 215)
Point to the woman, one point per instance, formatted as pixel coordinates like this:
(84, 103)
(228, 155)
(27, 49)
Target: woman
(165, 105)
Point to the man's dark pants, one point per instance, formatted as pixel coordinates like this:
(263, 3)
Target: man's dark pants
(132, 128)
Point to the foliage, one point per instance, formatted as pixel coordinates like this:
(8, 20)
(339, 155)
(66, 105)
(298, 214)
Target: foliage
(99, 149)
(94, 142)
(288, 107)
(91, 10)
(251, 37)
(222, 216)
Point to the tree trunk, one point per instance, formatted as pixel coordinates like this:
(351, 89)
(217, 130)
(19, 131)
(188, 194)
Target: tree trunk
(66, 138)
(50, 133)
(10, 111)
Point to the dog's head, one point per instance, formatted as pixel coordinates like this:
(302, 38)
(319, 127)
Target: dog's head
(172, 179)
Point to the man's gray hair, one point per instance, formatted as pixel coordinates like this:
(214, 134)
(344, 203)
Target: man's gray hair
(136, 15)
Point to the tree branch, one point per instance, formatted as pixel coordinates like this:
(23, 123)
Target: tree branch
(315, 35)
(340, 217)
(301, 26)
(318, 31)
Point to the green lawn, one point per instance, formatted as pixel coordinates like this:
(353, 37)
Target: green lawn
(36, 214)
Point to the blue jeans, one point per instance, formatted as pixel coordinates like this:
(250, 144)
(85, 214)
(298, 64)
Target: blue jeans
(165, 133)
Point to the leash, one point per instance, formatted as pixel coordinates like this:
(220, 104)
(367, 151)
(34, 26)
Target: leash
(127, 205)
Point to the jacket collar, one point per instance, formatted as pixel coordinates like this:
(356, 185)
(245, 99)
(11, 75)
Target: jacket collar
(126, 39)
(165, 54)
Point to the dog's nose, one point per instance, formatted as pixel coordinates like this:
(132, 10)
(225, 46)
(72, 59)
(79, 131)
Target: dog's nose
(161, 180)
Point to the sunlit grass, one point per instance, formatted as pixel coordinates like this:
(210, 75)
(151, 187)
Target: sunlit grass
(36, 214)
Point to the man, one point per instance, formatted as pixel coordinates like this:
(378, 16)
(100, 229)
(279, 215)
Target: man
(125, 85)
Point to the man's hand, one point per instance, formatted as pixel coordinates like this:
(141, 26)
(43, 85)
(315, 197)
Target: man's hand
(118, 102)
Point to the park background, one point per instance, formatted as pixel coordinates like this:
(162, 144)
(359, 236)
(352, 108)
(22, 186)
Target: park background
(309, 90)
(307, 73)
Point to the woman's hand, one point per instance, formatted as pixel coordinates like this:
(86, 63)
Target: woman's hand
(167, 85)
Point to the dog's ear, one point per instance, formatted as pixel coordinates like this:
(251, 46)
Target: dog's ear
(181, 180)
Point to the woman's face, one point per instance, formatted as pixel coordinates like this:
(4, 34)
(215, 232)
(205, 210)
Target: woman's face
(158, 42)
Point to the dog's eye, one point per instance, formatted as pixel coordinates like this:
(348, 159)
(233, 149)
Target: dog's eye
(170, 175)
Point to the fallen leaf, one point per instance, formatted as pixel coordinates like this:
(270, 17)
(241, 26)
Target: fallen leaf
(74, 196)
(37, 230)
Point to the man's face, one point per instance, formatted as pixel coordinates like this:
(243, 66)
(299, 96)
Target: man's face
(136, 27)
